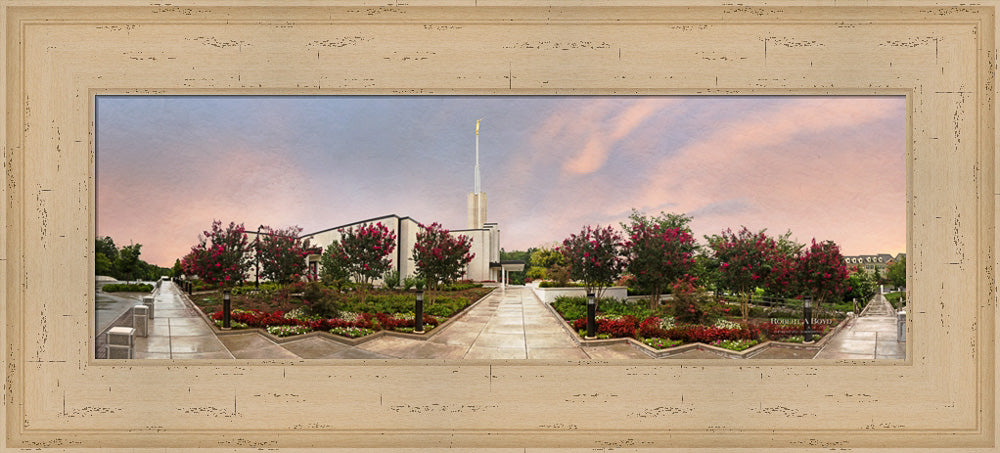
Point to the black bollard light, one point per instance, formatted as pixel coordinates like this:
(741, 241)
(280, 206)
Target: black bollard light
(591, 314)
(418, 314)
(190, 288)
(807, 309)
(225, 309)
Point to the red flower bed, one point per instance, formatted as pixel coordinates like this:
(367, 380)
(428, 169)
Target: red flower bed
(626, 326)
(262, 319)
(257, 318)
(708, 334)
(629, 326)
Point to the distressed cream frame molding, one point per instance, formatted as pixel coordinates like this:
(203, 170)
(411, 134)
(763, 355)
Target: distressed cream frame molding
(59, 55)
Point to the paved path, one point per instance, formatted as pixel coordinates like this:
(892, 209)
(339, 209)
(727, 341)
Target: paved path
(511, 323)
(177, 331)
(872, 335)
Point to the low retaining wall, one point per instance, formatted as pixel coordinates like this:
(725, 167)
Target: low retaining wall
(341, 339)
(548, 295)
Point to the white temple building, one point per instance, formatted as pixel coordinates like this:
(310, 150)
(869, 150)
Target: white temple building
(485, 265)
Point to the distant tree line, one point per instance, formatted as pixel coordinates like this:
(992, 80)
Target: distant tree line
(123, 263)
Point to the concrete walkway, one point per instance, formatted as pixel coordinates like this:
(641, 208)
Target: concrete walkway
(872, 335)
(177, 331)
(511, 323)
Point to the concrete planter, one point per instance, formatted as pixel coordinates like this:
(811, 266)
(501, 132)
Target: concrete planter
(548, 295)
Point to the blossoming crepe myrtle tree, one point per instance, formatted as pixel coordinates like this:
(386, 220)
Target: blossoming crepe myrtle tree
(333, 264)
(282, 254)
(594, 257)
(365, 252)
(220, 257)
(657, 253)
(821, 273)
(745, 260)
(439, 256)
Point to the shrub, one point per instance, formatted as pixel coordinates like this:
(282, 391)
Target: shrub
(460, 286)
(576, 307)
(689, 301)
(391, 279)
(413, 282)
(127, 287)
(321, 301)
(553, 284)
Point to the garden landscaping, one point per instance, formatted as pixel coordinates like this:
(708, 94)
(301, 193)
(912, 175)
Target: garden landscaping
(303, 307)
(708, 321)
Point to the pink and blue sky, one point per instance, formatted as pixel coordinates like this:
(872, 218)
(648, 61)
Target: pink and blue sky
(830, 168)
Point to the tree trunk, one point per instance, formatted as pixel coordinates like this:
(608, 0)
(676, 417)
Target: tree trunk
(654, 299)
(745, 307)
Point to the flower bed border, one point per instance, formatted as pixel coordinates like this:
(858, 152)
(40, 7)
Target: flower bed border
(667, 352)
(338, 338)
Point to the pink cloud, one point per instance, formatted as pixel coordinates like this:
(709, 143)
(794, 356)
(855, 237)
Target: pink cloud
(238, 185)
(791, 178)
(602, 131)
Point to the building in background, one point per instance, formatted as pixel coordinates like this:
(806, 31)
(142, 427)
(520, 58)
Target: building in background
(485, 265)
(872, 263)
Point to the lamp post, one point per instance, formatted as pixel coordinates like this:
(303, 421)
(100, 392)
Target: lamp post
(225, 309)
(807, 309)
(591, 314)
(418, 313)
(256, 254)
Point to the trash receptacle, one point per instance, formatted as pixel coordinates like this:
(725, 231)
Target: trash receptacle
(140, 320)
(901, 325)
(149, 301)
(120, 342)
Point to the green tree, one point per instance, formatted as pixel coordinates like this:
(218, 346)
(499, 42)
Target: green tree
(542, 260)
(106, 245)
(594, 257)
(861, 285)
(333, 266)
(105, 255)
(128, 261)
(103, 265)
(177, 270)
(514, 277)
(439, 256)
(896, 273)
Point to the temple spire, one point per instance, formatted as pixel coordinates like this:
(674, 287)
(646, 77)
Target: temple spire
(477, 199)
(477, 188)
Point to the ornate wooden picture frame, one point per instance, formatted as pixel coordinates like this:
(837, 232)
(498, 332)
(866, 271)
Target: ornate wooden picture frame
(59, 56)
